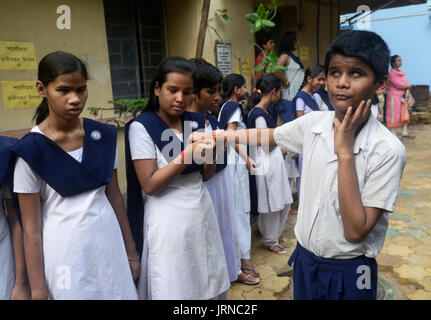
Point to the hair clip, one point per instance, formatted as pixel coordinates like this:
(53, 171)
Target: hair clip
(257, 90)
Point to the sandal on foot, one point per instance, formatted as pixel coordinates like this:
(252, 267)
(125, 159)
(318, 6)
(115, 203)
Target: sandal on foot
(249, 269)
(248, 279)
(282, 251)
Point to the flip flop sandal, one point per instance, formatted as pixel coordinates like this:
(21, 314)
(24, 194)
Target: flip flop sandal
(249, 282)
(283, 251)
(251, 272)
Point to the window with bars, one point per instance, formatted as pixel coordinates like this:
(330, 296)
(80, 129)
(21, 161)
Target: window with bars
(136, 45)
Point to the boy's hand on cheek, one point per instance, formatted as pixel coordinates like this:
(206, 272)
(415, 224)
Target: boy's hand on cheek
(344, 132)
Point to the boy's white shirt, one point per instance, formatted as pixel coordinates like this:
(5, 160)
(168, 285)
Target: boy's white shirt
(379, 159)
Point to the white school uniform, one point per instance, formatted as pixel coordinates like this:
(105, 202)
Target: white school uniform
(273, 191)
(220, 190)
(295, 75)
(183, 257)
(7, 265)
(379, 160)
(241, 188)
(83, 247)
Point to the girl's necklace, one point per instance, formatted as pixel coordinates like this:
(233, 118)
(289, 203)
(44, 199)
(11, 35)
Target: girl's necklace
(52, 133)
(47, 125)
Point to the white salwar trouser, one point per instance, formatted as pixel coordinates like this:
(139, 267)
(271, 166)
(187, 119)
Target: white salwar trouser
(271, 225)
(244, 232)
(404, 131)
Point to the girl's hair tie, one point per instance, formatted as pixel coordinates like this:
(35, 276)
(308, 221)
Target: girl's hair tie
(257, 90)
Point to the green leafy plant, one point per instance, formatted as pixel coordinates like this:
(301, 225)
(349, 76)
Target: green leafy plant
(271, 63)
(223, 14)
(125, 109)
(261, 20)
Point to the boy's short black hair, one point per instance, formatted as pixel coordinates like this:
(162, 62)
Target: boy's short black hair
(262, 37)
(365, 45)
(206, 75)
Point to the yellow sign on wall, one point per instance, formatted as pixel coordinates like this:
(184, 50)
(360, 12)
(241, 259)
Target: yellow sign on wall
(245, 66)
(304, 53)
(20, 94)
(17, 56)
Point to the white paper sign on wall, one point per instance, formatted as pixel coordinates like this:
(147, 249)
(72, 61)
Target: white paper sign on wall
(224, 58)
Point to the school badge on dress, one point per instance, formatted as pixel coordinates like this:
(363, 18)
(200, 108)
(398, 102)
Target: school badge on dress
(195, 125)
(96, 135)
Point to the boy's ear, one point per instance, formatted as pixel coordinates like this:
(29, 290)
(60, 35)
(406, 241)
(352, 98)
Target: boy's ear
(382, 85)
(41, 89)
(195, 95)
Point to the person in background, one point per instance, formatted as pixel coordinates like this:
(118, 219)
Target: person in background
(294, 75)
(206, 97)
(265, 41)
(274, 194)
(232, 117)
(398, 90)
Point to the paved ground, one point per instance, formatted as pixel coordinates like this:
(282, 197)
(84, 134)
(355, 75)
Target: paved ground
(405, 261)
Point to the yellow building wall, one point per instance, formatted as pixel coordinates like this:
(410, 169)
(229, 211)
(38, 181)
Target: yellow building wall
(183, 20)
(307, 31)
(36, 22)
(182, 25)
(301, 16)
(235, 31)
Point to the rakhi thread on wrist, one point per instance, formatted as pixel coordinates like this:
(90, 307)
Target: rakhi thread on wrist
(214, 132)
(185, 157)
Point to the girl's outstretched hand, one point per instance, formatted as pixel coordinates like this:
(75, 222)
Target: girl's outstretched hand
(344, 132)
(199, 136)
(251, 165)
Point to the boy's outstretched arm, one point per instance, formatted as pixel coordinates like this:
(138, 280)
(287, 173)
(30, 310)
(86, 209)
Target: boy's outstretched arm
(251, 137)
(358, 220)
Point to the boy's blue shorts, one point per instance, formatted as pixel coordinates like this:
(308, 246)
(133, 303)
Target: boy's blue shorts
(316, 278)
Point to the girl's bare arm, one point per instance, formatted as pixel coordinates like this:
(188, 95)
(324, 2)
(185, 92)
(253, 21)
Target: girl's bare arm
(21, 289)
(32, 226)
(113, 194)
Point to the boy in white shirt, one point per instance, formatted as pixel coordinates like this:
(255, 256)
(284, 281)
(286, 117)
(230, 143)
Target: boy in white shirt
(352, 170)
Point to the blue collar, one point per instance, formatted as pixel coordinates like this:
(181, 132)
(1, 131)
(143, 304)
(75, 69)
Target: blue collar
(227, 111)
(309, 100)
(66, 175)
(259, 112)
